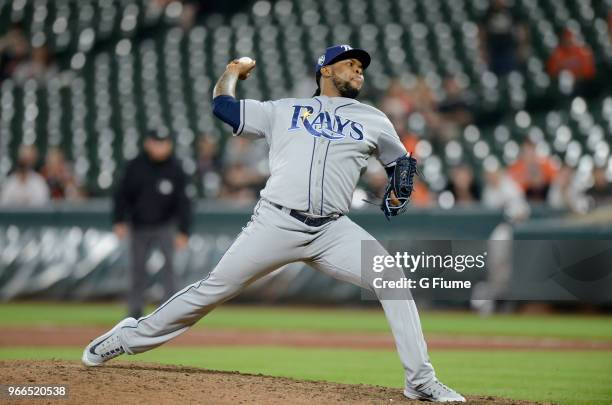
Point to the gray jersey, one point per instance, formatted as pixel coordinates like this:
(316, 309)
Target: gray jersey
(319, 147)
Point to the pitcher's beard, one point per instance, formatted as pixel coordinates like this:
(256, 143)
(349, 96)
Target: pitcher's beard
(345, 89)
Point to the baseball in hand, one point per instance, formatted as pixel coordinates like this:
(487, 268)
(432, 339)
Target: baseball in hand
(246, 60)
(242, 66)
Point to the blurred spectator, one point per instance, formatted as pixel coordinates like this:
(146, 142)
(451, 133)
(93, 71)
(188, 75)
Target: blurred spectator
(25, 187)
(209, 166)
(502, 192)
(503, 38)
(151, 202)
(458, 102)
(572, 56)
(58, 174)
(14, 49)
(423, 119)
(610, 24)
(533, 173)
(421, 196)
(245, 170)
(463, 186)
(456, 107)
(396, 102)
(39, 66)
(601, 191)
(425, 103)
(564, 193)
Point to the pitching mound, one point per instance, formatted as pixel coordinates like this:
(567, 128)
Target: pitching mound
(128, 383)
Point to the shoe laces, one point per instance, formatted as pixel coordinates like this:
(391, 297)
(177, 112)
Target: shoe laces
(437, 388)
(111, 348)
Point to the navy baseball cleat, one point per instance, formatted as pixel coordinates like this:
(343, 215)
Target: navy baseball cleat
(106, 347)
(434, 391)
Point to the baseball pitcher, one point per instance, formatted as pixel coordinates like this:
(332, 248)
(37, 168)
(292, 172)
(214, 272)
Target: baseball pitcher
(319, 147)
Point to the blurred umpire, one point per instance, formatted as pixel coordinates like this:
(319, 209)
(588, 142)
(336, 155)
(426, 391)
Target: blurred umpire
(150, 201)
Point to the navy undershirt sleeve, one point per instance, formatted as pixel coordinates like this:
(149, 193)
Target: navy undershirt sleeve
(227, 109)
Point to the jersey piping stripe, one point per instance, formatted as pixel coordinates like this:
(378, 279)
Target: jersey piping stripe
(175, 296)
(325, 162)
(343, 105)
(323, 175)
(242, 117)
(314, 143)
(320, 105)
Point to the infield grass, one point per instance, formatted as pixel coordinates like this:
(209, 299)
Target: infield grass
(561, 377)
(324, 319)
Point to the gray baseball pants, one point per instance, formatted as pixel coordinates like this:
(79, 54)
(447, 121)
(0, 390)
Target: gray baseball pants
(270, 240)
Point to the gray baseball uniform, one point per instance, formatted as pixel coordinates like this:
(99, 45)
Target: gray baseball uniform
(319, 147)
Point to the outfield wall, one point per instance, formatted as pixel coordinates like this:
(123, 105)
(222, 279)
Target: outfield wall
(66, 251)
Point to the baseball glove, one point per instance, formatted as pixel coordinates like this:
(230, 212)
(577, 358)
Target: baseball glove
(400, 187)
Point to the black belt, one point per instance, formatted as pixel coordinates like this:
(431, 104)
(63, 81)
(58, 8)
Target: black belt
(310, 221)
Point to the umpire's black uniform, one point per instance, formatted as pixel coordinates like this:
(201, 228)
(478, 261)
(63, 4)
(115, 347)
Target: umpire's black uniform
(152, 201)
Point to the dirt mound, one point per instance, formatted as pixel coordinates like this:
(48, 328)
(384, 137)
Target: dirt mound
(128, 383)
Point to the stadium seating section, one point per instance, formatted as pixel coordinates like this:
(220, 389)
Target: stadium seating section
(125, 66)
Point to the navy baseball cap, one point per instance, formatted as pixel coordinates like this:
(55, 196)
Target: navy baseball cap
(337, 53)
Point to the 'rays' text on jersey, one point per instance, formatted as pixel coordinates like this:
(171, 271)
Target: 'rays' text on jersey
(324, 124)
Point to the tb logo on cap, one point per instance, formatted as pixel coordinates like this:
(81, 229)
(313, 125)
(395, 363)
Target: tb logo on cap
(345, 48)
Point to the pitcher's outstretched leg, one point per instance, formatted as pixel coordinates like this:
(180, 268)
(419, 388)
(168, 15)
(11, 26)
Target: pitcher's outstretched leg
(244, 262)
